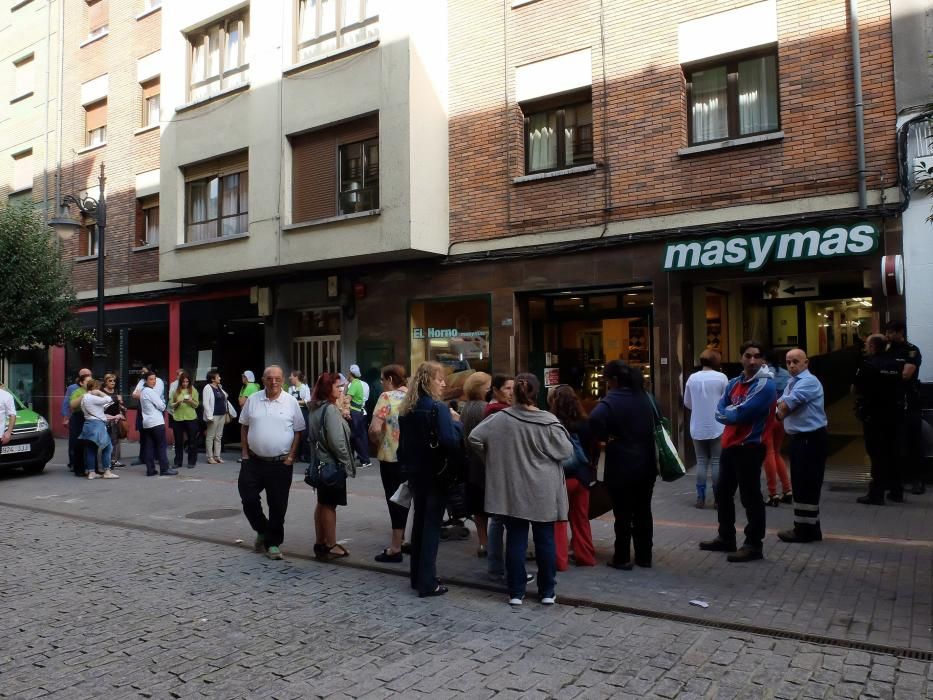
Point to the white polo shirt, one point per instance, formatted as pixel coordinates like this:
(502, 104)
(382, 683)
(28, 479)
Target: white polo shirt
(7, 409)
(272, 423)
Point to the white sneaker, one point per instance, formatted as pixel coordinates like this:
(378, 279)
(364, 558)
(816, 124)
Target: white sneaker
(92, 475)
(549, 601)
(515, 601)
(110, 475)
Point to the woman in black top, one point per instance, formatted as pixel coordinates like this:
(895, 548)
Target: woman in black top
(625, 420)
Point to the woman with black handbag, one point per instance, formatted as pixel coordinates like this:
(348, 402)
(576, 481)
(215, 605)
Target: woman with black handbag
(429, 433)
(331, 444)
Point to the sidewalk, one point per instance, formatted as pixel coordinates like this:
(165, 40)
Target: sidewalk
(871, 579)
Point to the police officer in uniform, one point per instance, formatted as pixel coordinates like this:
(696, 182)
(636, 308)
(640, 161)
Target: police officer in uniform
(879, 405)
(907, 358)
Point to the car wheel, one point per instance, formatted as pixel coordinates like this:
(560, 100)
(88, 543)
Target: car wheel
(34, 468)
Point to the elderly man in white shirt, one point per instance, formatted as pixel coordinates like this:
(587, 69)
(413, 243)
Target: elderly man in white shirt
(7, 415)
(271, 425)
(152, 442)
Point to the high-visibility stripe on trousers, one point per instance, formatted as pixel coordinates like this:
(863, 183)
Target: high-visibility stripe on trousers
(807, 468)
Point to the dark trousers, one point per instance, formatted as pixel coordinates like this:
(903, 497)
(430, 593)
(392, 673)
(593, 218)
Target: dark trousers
(76, 452)
(807, 468)
(391, 473)
(275, 478)
(881, 446)
(428, 505)
(516, 546)
(359, 434)
(740, 468)
(153, 446)
(186, 431)
(631, 506)
(911, 445)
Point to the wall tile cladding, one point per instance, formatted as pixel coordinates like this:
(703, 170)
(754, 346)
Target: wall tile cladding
(126, 154)
(643, 123)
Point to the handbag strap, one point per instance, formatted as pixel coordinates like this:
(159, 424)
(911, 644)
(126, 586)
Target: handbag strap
(433, 428)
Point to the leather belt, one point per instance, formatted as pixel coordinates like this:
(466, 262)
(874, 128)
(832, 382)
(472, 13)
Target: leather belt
(274, 460)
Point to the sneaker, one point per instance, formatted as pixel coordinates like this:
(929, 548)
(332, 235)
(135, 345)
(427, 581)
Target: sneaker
(515, 601)
(364, 465)
(170, 472)
(717, 545)
(788, 497)
(701, 502)
(274, 553)
(745, 554)
(110, 475)
(259, 546)
(549, 600)
(530, 577)
(92, 475)
(773, 501)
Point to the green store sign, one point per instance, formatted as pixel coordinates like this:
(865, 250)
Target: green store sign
(755, 250)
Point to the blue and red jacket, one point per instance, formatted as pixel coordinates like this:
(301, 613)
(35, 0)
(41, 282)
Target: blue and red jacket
(746, 409)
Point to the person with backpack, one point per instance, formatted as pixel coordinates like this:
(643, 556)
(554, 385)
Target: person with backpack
(565, 405)
(624, 419)
(429, 432)
(523, 448)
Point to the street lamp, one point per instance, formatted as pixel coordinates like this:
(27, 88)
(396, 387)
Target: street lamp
(65, 227)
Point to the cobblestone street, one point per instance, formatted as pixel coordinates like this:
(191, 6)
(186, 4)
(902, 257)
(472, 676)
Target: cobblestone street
(103, 611)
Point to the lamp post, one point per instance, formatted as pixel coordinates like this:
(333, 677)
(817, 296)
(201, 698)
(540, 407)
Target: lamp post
(65, 226)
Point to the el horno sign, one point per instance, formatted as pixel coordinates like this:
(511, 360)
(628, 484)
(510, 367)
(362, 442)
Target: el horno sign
(755, 251)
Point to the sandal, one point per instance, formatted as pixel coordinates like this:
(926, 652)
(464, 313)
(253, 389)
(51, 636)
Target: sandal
(386, 556)
(331, 555)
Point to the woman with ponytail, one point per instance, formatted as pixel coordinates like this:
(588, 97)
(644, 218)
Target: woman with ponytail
(523, 448)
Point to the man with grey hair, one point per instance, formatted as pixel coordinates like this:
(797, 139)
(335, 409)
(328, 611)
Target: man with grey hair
(271, 425)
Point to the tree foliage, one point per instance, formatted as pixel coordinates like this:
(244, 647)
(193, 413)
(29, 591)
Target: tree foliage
(36, 296)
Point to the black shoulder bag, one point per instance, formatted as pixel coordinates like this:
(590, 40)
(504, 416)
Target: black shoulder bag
(326, 474)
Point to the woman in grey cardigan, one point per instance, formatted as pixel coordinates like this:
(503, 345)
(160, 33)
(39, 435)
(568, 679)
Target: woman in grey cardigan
(523, 448)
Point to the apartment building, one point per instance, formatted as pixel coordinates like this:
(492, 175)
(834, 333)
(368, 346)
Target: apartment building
(302, 141)
(644, 180)
(28, 117)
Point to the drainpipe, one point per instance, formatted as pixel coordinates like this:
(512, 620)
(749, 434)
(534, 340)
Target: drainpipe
(859, 107)
(61, 93)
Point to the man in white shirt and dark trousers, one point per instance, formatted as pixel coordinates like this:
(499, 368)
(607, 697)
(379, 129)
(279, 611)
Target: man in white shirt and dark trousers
(152, 439)
(271, 425)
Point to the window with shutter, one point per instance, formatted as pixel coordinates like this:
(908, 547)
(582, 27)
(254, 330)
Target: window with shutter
(151, 101)
(98, 17)
(217, 198)
(95, 121)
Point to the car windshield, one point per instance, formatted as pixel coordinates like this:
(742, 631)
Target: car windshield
(20, 406)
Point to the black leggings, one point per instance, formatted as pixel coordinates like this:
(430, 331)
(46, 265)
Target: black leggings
(391, 473)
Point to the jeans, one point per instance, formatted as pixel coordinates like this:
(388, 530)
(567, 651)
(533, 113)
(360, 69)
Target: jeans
(579, 517)
(214, 435)
(428, 506)
(516, 544)
(708, 452)
(92, 450)
(740, 468)
(494, 550)
(275, 478)
(186, 431)
(359, 434)
(154, 447)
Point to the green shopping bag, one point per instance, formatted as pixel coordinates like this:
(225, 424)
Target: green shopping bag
(670, 466)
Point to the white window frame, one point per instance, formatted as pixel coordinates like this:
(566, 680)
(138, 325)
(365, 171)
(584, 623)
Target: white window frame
(344, 35)
(228, 74)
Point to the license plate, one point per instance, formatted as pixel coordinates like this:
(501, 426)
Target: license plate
(13, 449)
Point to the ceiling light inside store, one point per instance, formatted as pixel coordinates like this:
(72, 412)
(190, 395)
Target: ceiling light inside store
(631, 294)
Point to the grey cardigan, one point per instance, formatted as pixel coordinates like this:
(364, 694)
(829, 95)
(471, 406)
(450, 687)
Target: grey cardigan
(339, 446)
(523, 451)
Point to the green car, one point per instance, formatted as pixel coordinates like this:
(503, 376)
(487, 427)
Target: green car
(32, 446)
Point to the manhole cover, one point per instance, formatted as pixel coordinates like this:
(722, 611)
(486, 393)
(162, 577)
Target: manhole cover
(213, 514)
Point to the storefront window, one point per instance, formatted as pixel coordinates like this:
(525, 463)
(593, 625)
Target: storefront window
(455, 333)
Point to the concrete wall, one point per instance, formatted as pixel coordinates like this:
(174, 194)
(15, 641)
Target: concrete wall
(912, 31)
(284, 99)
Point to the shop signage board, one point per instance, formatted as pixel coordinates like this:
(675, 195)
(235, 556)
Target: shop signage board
(791, 289)
(754, 251)
(431, 333)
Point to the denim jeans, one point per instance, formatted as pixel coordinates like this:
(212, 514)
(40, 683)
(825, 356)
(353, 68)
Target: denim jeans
(708, 452)
(90, 457)
(516, 544)
(428, 512)
(494, 551)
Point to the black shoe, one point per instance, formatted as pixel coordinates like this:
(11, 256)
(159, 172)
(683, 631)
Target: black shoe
(919, 488)
(896, 496)
(643, 563)
(620, 565)
(387, 558)
(788, 497)
(406, 547)
(717, 545)
(152, 473)
(170, 472)
(439, 590)
(796, 536)
(745, 554)
(870, 500)
(773, 501)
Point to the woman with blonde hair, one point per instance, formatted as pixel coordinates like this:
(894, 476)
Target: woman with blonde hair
(429, 431)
